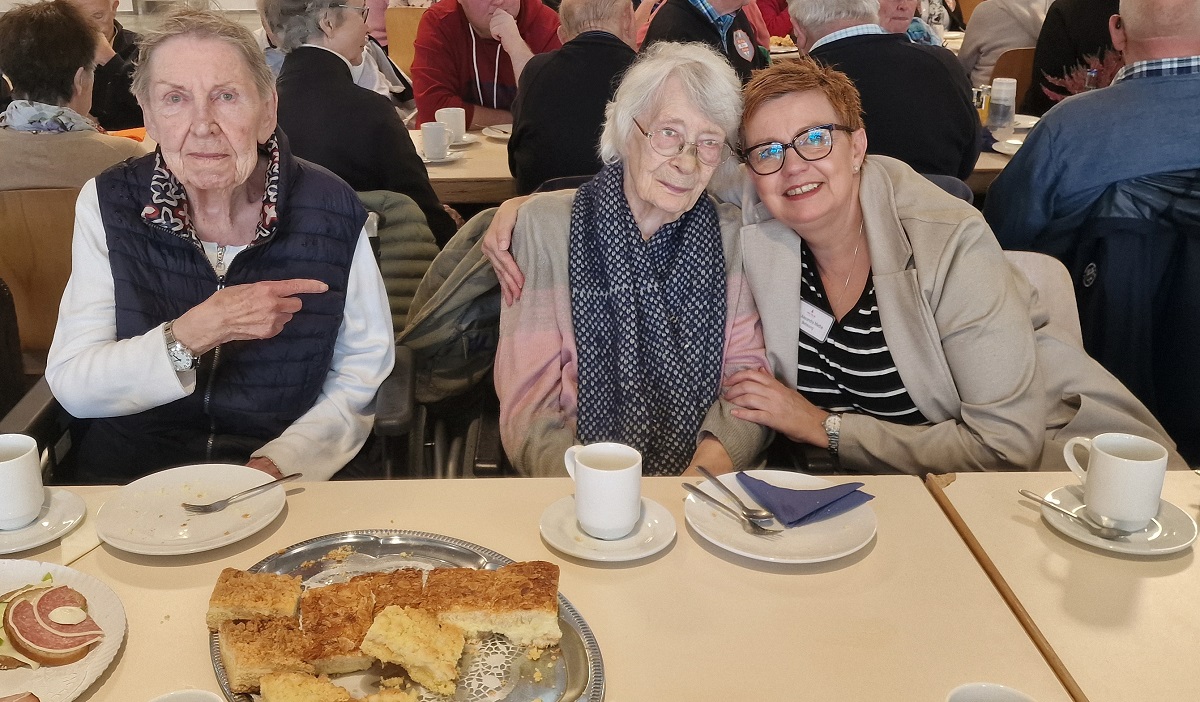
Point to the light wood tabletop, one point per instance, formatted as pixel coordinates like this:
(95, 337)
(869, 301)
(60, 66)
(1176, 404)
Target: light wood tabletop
(909, 617)
(478, 175)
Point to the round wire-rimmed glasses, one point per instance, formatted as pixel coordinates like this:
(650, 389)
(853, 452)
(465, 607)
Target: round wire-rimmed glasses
(670, 143)
(812, 144)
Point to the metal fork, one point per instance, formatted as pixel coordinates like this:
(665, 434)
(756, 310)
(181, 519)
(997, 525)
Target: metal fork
(749, 526)
(222, 504)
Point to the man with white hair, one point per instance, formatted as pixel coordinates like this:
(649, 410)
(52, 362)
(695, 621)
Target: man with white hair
(916, 98)
(1108, 183)
(554, 137)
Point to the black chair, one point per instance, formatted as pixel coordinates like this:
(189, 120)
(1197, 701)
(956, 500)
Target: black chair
(12, 376)
(952, 185)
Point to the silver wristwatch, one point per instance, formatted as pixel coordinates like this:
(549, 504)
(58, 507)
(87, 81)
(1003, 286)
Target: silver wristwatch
(833, 430)
(181, 356)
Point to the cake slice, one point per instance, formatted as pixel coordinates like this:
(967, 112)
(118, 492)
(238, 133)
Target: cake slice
(392, 694)
(300, 687)
(336, 618)
(398, 587)
(243, 595)
(519, 601)
(253, 649)
(427, 648)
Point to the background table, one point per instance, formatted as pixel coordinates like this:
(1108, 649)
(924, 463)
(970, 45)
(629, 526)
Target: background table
(1126, 627)
(479, 176)
(910, 617)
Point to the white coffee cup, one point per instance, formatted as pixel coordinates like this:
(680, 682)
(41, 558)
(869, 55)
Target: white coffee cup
(1123, 480)
(456, 119)
(608, 488)
(986, 692)
(21, 493)
(435, 139)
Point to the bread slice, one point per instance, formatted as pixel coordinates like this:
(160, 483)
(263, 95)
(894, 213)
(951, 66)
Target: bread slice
(252, 649)
(427, 648)
(336, 618)
(398, 587)
(243, 595)
(300, 687)
(519, 601)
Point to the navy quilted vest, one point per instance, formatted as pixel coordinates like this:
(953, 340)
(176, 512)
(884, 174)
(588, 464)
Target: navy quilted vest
(247, 392)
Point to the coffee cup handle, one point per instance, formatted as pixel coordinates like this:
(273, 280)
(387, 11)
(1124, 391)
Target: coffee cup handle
(1069, 456)
(569, 459)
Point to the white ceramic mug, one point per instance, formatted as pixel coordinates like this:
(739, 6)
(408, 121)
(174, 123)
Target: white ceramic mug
(608, 488)
(456, 119)
(435, 140)
(1123, 479)
(21, 493)
(986, 692)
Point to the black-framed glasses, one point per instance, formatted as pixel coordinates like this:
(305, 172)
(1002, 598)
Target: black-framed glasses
(670, 143)
(363, 10)
(812, 144)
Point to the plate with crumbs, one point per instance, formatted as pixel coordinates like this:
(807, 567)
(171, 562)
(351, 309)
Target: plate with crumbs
(64, 683)
(491, 669)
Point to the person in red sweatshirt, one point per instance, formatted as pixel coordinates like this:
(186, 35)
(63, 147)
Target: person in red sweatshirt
(469, 53)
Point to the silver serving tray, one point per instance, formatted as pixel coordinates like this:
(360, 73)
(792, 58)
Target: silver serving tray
(580, 651)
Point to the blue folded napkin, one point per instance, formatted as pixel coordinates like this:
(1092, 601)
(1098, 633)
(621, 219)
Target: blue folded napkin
(799, 507)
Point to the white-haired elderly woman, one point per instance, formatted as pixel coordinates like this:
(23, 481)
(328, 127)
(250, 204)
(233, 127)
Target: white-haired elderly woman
(331, 121)
(224, 304)
(634, 309)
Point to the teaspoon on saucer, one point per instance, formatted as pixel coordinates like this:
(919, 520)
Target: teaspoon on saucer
(1101, 531)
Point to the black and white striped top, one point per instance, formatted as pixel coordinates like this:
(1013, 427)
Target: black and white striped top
(852, 370)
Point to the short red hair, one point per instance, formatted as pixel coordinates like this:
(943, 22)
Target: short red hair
(801, 75)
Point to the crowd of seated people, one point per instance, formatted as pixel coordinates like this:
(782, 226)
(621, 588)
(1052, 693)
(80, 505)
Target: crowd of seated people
(752, 264)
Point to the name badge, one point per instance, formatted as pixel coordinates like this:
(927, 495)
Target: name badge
(814, 321)
(741, 41)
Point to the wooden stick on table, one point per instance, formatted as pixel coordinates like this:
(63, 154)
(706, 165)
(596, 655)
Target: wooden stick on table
(935, 488)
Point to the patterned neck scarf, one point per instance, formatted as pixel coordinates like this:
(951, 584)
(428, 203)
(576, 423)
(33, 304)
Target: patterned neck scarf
(30, 116)
(168, 206)
(649, 320)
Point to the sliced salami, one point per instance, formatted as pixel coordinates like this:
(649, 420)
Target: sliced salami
(59, 597)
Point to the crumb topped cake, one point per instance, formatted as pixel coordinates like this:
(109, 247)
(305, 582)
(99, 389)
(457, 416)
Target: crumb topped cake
(299, 687)
(519, 601)
(428, 649)
(398, 587)
(239, 594)
(336, 618)
(253, 649)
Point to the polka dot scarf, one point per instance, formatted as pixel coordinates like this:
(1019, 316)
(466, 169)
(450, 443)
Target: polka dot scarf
(649, 320)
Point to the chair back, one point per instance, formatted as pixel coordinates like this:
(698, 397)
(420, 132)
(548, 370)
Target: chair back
(402, 32)
(1054, 288)
(35, 258)
(968, 7)
(12, 374)
(1016, 63)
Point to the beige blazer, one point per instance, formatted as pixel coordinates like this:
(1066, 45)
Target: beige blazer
(1002, 387)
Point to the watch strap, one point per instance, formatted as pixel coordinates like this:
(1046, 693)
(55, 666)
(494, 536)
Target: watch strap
(833, 431)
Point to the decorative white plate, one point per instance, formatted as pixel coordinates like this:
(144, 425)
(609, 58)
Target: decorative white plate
(147, 515)
(467, 140)
(812, 543)
(498, 131)
(452, 156)
(1008, 146)
(62, 511)
(1025, 121)
(1172, 530)
(64, 683)
(654, 532)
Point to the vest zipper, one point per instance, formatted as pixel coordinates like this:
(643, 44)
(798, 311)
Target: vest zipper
(219, 269)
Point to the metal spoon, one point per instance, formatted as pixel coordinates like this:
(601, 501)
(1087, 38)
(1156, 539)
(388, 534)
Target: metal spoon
(757, 515)
(1101, 531)
(749, 526)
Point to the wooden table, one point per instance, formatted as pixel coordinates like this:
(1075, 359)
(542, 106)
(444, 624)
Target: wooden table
(1126, 627)
(479, 176)
(909, 617)
(987, 168)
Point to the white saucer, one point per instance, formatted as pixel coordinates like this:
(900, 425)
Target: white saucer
(1025, 121)
(654, 532)
(467, 140)
(498, 131)
(61, 512)
(1008, 146)
(452, 156)
(1172, 530)
(777, 50)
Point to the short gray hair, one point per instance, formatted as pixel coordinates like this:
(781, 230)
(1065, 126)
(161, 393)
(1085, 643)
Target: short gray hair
(297, 21)
(707, 79)
(578, 16)
(812, 14)
(201, 24)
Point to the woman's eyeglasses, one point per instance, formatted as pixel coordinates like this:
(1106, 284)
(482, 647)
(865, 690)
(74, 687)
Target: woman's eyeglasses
(670, 143)
(812, 144)
(363, 10)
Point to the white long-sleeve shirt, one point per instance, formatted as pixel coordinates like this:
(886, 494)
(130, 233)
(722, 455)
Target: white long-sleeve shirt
(93, 374)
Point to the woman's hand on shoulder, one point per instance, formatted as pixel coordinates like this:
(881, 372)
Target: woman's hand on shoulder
(496, 243)
(252, 311)
(762, 399)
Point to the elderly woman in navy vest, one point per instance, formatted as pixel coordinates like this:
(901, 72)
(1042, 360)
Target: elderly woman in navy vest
(224, 304)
